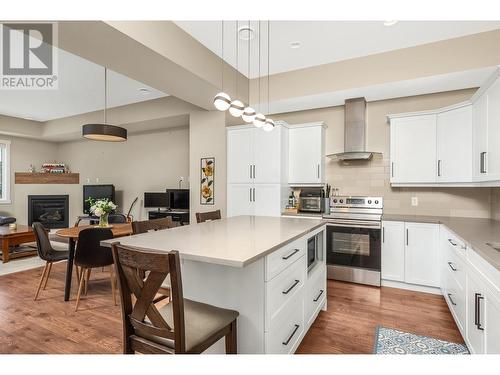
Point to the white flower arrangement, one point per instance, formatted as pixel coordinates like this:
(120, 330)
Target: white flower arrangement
(101, 206)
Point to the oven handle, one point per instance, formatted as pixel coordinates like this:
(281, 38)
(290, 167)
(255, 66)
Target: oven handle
(348, 224)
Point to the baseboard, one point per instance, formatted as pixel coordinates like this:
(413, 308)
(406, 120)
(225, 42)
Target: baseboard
(413, 287)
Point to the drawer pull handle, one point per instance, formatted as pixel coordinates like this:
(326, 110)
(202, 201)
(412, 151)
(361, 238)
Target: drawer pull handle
(451, 241)
(451, 300)
(451, 266)
(319, 295)
(479, 297)
(290, 337)
(291, 254)
(293, 286)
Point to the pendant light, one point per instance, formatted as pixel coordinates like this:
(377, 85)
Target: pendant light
(269, 123)
(237, 107)
(259, 118)
(104, 132)
(248, 113)
(222, 101)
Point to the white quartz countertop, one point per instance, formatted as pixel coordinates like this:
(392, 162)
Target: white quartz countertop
(236, 241)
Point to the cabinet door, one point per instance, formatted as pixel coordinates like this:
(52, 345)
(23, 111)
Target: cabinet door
(492, 326)
(393, 250)
(239, 155)
(267, 156)
(454, 146)
(475, 335)
(480, 138)
(305, 155)
(421, 254)
(493, 167)
(267, 199)
(240, 200)
(413, 149)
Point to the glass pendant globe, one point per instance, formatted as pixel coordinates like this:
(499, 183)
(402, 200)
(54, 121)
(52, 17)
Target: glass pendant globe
(222, 101)
(248, 114)
(236, 109)
(259, 120)
(268, 125)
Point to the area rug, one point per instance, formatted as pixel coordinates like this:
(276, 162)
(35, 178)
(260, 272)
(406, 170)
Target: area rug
(392, 341)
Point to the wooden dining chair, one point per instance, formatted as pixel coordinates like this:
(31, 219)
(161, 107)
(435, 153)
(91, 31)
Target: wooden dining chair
(145, 226)
(181, 326)
(201, 217)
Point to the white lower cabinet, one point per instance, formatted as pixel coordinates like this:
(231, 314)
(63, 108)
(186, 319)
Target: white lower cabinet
(393, 250)
(410, 253)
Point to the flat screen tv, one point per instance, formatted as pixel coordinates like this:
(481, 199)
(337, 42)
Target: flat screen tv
(178, 198)
(156, 200)
(97, 192)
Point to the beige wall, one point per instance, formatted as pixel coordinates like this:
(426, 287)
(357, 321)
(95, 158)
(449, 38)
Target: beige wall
(372, 178)
(495, 203)
(145, 162)
(207, 138)
(24, 152)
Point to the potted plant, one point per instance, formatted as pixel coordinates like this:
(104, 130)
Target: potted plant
(102, 208)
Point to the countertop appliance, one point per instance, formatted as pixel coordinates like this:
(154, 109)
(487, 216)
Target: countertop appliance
(353, 243)
(311, 200)
(314, 250)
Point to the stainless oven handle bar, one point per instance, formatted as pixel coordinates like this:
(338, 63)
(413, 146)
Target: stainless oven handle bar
(354, 224)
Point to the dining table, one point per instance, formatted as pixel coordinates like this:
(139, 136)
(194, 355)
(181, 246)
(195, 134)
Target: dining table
(119, 230)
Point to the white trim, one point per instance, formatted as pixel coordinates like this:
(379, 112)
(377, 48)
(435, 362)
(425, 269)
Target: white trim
(431, 111)
(308, 124)
(413, 287)
(6, 180)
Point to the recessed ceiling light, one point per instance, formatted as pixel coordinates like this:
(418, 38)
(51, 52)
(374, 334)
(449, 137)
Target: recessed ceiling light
(144, 90)
(295, 45)
(246, 33)
(390, 23)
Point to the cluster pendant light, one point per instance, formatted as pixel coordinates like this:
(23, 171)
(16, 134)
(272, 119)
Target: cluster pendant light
(223, 102)
(104, 132)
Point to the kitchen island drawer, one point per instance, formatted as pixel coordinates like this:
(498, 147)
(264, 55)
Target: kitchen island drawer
(287, 329)
(284, 287)
(282, 258)
(455, 297)
(455, 267)
(315, 294)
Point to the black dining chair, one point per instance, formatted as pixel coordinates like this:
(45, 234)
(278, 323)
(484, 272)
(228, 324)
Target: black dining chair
(117, 219)
(90, 254)
(47, 253)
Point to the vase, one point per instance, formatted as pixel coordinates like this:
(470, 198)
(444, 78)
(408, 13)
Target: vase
(103, 220)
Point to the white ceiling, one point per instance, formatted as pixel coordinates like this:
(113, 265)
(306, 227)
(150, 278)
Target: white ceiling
(80, 90)
(322, 42)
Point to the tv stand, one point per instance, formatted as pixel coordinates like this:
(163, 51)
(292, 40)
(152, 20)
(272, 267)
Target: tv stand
(181, 216)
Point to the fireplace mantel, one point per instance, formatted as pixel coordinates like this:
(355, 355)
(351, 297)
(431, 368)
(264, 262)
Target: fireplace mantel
(47, 178)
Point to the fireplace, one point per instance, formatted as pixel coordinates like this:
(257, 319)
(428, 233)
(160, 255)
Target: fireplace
(50, 210)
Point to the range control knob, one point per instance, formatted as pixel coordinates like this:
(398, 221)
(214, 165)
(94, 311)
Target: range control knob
(376, 202)
(369, 201)
(334, 201)
(341, 201)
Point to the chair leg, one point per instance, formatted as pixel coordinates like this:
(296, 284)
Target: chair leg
(231, 339)
(77, 274)
(41, 280)
(87, 274)
(113, 280)
(80, 287)
(48, 275)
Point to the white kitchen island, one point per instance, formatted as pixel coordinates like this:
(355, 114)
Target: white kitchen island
(253, 264)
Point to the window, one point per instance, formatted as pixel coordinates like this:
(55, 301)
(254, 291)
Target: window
(4, 171)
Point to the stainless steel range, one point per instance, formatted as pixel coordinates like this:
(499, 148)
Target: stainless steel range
(353, 244)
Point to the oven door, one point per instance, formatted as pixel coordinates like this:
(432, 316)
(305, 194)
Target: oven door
(353, 246)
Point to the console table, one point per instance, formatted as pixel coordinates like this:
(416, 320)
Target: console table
(176, 215)
(12, 237)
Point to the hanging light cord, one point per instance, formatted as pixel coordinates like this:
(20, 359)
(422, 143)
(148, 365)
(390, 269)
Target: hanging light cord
(268, 65)
(222, 58)
(237, 57)
(249, 41)
(105, 92)
(260, 105)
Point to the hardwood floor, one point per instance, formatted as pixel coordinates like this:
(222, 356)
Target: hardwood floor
(50, 325)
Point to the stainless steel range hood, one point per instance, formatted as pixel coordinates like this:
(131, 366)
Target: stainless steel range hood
(354, 132)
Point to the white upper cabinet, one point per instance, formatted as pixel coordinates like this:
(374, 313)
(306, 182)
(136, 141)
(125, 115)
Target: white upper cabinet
(413, 149)
(454, 146)
(480, 138)
(493, 121)
(306, 154)
(240, 158)
(268, 158)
